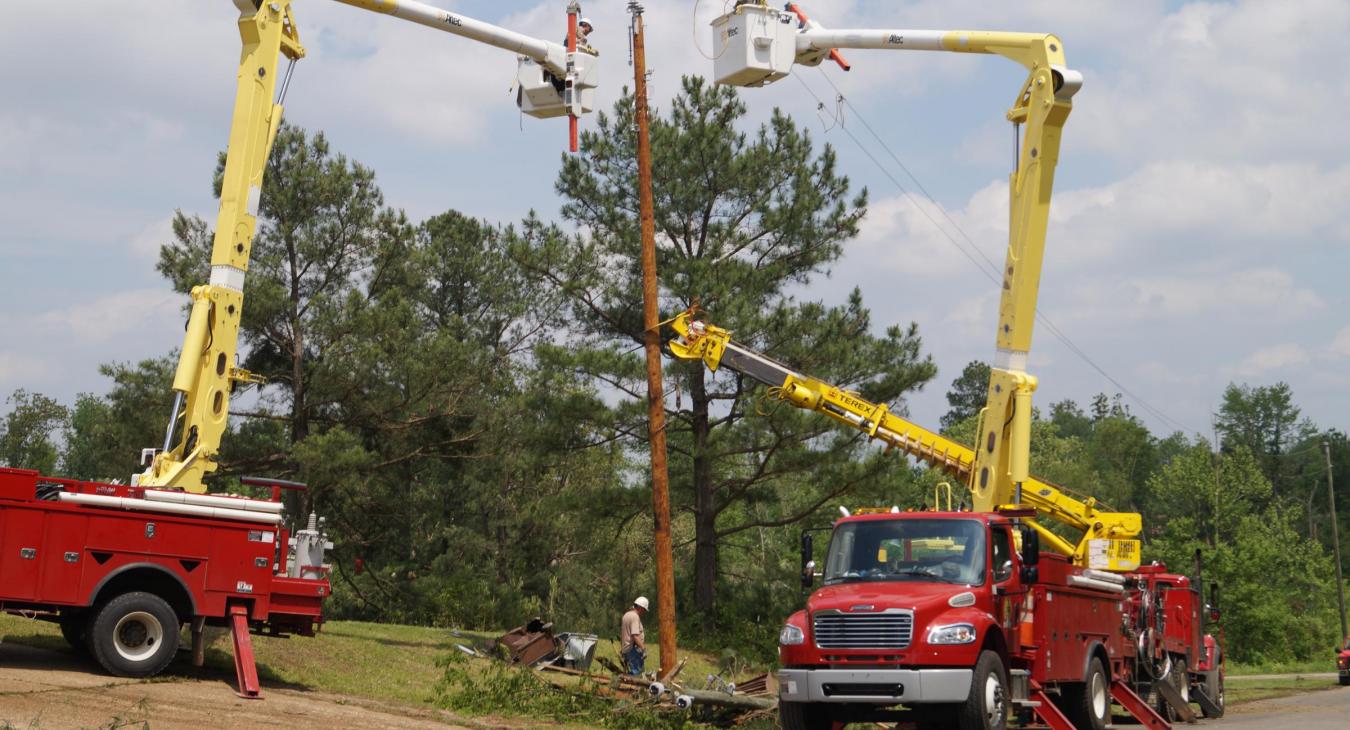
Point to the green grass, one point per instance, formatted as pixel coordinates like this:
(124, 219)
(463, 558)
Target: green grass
(1236, 693)
(382, 662)
(1312, 666)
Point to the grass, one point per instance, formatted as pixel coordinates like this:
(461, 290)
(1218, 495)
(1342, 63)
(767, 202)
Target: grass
(1237, 693)
(382, 662)
(1312, 666)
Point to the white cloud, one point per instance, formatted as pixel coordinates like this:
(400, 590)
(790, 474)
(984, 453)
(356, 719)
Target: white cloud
(1261, 293)
(1275, 357)
(147, 242)
(1340, 345)
(116, 315)
(16, 369)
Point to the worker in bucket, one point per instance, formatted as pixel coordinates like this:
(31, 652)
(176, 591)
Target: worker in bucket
(632, 644)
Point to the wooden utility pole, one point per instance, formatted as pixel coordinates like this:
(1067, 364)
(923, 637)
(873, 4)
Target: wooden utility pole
(1335, 537)
(651, 340)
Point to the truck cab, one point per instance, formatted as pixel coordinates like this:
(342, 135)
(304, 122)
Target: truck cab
(916, 608)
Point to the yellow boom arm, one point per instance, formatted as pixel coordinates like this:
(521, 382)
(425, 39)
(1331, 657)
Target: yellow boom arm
(1108, 538)
(206, 373)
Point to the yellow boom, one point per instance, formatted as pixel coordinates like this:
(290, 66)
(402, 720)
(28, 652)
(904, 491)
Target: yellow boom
(1108, 539)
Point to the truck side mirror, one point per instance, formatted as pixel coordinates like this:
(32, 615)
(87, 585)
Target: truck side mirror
(808, 564)
(1031, 554)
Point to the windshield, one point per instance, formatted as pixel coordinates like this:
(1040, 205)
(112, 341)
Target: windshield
(948, 551)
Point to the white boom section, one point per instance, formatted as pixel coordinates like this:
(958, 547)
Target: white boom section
(816, 38)
(551, 55)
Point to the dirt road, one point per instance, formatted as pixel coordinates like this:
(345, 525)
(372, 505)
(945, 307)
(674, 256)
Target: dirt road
(46, 689)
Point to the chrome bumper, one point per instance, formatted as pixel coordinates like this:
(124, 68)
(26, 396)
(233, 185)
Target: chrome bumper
(874, 686)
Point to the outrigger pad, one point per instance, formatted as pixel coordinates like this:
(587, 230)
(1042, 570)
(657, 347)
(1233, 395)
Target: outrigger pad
(245, 668)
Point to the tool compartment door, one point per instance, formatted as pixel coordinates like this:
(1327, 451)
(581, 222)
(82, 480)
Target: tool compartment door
(21, 552)
(63, 557)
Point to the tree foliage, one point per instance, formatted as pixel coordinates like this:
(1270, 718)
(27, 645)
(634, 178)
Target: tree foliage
(466, 400)
(741, 219)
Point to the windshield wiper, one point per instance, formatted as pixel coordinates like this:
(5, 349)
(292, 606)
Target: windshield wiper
(917, 572)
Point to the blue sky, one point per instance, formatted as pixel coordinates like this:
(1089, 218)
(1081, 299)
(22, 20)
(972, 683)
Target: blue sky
(1199, 230)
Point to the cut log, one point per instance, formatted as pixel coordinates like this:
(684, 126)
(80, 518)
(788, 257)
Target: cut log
(721, 699)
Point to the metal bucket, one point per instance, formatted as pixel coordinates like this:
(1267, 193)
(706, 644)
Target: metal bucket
(578, 650)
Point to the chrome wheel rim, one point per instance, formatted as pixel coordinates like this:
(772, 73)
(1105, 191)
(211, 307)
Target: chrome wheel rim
(1099, 703)
(993, 700)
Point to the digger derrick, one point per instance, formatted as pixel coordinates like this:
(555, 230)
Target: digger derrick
(1109, 539)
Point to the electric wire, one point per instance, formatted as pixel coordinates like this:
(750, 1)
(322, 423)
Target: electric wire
(988, 268)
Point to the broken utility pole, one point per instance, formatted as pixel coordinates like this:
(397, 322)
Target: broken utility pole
(651, 338)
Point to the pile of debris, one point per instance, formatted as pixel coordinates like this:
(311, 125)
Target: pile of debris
(570, 655)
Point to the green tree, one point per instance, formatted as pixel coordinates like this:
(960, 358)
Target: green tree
(321, 224)
(742, 221)
(1265, 421)
(1278, 585)
(968, 394)
(105, 435)
(27, 430)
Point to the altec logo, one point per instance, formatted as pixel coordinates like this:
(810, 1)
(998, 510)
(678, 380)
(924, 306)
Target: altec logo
(452, 20)
(896, 40)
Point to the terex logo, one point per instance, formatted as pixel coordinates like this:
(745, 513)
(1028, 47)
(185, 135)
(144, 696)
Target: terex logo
(452, 20)
(896, 40)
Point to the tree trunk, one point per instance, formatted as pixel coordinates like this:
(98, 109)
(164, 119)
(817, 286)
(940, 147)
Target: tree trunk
(299, 415)
(705, 510)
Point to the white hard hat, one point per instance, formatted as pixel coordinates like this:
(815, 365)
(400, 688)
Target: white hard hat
(641, 602)
(586, 21)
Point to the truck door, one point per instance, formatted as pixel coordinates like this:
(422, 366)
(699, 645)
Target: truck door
(1003, 576)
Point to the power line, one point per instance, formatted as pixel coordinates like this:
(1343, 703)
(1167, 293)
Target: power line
(989, 268)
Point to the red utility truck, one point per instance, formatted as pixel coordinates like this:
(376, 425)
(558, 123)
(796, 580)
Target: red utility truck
(939, 619)
(122, 569)
(1343, 663)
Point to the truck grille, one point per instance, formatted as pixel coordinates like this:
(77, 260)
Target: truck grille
(889, 630)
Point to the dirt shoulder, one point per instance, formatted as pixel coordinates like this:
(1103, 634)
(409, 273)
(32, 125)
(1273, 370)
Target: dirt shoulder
(40, 688)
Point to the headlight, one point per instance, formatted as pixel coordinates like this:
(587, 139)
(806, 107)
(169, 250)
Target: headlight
(791, 635)
(951, 634)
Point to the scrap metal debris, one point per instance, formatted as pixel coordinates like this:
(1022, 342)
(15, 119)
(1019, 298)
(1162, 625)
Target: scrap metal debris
(565, 658)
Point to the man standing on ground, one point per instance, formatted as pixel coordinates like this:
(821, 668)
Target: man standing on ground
(632, 643)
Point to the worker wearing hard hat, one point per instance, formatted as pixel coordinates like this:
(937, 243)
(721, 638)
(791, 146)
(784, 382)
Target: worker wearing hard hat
(632, 644)
(584, 29)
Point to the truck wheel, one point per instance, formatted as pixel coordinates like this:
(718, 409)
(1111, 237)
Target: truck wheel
(803, 716)
(1214, 690)
(134, 635)
(1089, 705)
(75, 630)
(987, 706)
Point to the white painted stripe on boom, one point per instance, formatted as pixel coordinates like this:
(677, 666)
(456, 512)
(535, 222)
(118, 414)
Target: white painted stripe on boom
(912, 40)
(1013, 361)
(227, 276)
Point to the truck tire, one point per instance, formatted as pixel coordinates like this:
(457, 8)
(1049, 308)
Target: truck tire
(134, 635)
(1088, 705)
(987, 706)
(1214, 691)
(75, 630)
(803, 716)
